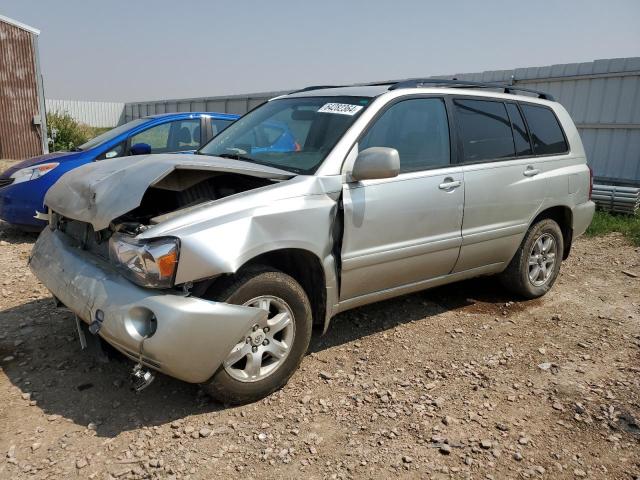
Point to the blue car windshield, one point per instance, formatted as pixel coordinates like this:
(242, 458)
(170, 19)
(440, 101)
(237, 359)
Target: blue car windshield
(294, 134)
(111, 134)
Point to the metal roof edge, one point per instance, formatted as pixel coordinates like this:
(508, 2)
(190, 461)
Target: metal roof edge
(18, 24)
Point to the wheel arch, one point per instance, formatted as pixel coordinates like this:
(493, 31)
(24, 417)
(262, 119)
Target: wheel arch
(303, 266)
(563, 216)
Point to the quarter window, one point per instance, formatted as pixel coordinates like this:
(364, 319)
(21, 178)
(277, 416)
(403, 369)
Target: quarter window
(546, 134)
(485, 130)
(417, 129)
(520, 135)
(114, 152)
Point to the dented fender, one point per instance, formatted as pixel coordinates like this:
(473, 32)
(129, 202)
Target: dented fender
(217, 236)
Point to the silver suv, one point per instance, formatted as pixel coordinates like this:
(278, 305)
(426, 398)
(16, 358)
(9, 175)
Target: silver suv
(214, 267)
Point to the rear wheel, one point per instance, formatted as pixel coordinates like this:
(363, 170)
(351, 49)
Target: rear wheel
(535, 266)
(264, 359)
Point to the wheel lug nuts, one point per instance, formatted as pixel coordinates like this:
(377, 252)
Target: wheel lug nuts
(265, 342)
(255, 327)
(248, 339)
(254, 349)
(265, 329)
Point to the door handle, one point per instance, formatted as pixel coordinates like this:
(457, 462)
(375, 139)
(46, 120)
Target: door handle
(449, 184)
(530, 171)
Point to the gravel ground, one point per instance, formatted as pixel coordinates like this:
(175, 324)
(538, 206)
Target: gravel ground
(456, 382)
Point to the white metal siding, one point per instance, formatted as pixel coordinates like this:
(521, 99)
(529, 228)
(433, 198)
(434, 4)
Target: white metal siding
(95, 114)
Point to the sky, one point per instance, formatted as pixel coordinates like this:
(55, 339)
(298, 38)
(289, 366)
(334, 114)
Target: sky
(133, 50)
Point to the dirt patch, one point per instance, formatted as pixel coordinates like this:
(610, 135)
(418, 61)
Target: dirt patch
(458, 382)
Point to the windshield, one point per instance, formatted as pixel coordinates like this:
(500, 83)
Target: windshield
(294, 134)
(113, 133)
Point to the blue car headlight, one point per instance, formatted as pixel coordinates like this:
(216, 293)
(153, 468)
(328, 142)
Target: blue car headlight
(32, 173)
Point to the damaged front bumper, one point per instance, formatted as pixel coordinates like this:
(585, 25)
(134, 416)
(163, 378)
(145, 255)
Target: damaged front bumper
(184, 337)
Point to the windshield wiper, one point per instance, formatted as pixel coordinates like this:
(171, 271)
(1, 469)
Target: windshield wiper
(237, 156)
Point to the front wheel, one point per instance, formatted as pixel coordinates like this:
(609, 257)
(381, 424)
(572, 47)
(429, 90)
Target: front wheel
(266, 356)
(535, 266)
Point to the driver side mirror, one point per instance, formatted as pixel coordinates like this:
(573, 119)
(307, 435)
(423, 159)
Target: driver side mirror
(376, 162)
(140, 149)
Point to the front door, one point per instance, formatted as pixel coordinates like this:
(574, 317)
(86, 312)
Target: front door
(406, 229)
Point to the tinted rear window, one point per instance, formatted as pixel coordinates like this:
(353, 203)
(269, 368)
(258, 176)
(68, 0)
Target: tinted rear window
(485, 130)
(520, 135)
(546, 134)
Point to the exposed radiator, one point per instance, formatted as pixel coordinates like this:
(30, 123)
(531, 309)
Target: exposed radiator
(615, 198)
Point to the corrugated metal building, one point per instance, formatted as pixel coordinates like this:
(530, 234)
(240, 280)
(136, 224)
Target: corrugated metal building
(95, 114)
(23, 131)
(602, 96)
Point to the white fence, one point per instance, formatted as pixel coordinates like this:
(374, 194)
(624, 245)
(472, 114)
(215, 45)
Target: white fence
(95, 114)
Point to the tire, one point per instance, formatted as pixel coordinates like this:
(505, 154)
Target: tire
(516, 276)
(230, 385)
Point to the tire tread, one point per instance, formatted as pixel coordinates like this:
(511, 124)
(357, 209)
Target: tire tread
(515, 276)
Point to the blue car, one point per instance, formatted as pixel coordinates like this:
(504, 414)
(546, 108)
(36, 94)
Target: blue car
(23, 186)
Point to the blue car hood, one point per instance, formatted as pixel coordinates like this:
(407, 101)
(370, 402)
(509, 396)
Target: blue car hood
(56, 156)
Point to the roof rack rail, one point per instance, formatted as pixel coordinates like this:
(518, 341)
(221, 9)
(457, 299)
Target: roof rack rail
(315, 87)
(418, 82)
(320, 87)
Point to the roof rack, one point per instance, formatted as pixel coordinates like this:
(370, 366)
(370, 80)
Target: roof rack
(418, 82)
(315, 87)
(321, 87)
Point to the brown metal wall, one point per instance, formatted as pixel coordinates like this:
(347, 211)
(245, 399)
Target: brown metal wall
(19, 138)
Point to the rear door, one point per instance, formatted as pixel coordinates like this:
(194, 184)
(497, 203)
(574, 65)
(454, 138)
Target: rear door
(404, 230)
(503, 185)
(185, 135)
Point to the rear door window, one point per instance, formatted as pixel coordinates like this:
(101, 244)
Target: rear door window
(417, 128)
(546, 134)
(485, 130)
(185, 135)
(520, 134)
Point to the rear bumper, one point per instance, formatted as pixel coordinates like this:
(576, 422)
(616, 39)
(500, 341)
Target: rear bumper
(192, 336)
(582, 216)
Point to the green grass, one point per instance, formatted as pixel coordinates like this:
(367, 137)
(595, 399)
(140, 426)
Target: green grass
(604, 222)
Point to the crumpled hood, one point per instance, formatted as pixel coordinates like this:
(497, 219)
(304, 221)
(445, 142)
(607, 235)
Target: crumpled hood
(99, 192)
(29, 162)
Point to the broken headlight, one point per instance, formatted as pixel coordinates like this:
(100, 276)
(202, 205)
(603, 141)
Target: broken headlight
(149, 263)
